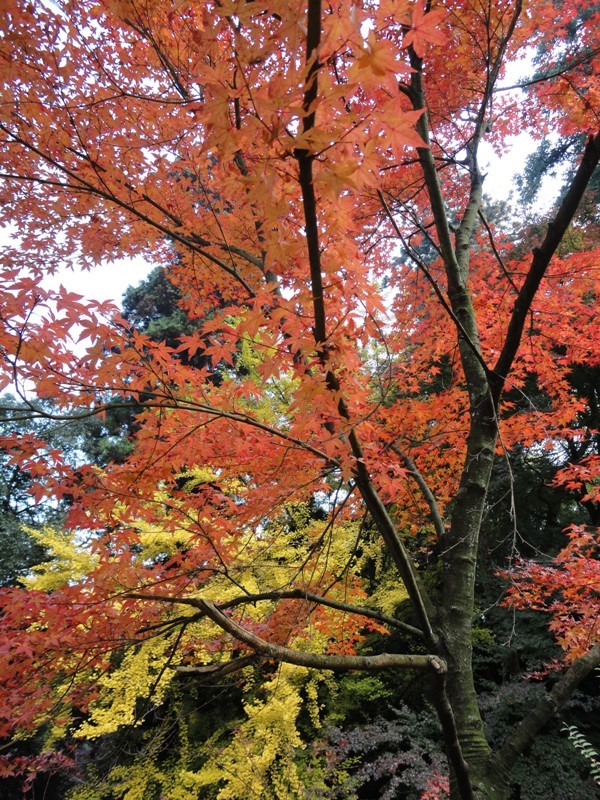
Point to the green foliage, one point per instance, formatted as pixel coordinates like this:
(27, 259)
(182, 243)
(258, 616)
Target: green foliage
(20, 512)
(357, 698)
(153, 306)
(548, 770)
(19, 550)
(547, 159)
(590, 754)
(521, 489)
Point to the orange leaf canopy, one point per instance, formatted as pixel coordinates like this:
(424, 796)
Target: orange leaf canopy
(177, 131)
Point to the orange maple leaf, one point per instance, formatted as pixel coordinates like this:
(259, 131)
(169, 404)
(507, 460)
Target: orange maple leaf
(379, 55)
(424, 29)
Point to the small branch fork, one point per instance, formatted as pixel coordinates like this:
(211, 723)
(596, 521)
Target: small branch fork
(438, 292)
(434, 510)
(433, 663)
(292, 594)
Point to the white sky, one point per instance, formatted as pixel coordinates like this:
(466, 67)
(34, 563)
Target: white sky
(105, 282)
(500, 172)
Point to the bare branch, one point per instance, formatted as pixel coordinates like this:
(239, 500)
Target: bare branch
(496, 252)
(438, 292)
(305, 166)
(349, 608)
(315, 661)
(215, 670)
(588, 56)
(434, 511)
(298, 657)
(548, 706)
(288, 594)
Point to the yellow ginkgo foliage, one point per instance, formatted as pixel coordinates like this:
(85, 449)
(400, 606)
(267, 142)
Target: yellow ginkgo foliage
(69, 559)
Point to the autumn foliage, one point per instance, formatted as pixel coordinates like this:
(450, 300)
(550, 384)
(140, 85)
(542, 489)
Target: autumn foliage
(367, 339)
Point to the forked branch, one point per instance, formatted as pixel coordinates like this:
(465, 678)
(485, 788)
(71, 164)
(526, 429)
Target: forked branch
(299, 657)
(316, 661)
(292, 594)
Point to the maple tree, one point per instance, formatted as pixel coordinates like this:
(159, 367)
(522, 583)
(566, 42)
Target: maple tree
(275, 159)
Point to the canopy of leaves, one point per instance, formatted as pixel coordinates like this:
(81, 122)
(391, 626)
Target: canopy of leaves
(298, 414)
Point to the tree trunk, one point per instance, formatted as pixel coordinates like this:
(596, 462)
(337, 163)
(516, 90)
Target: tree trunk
(456, 615)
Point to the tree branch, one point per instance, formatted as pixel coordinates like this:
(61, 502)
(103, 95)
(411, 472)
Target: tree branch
(455, 263)
(349, 608)
(553, 73)
(298, 657)
(169, 403)
(289, 594)
(438, 292)
(314, 660)
(496, 252)
(305, 168)
(216, 670)
(369, 494)
(75, 183)
(434, 511)
(525, 732)
(430, 173)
